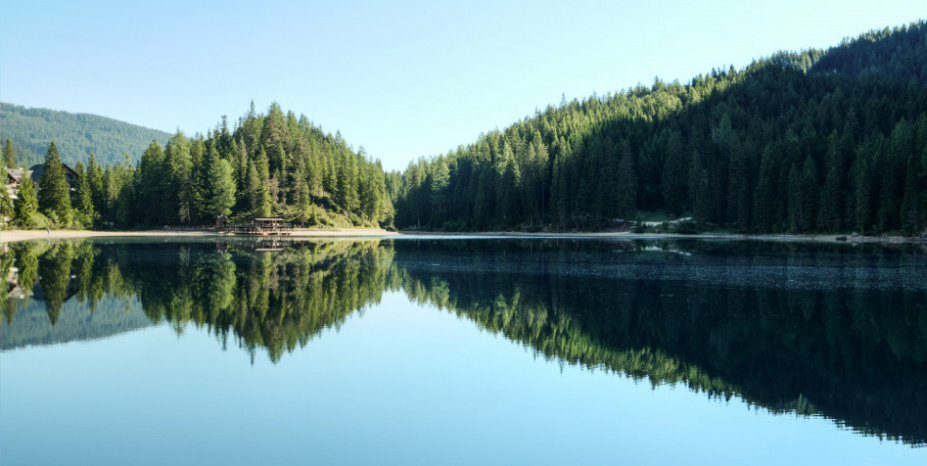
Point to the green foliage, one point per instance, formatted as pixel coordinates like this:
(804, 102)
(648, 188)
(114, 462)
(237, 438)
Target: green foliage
(804, 142)
(84, 209)
(687, 227)
(76, 134)
(222, 188)
(95, 182)
(9, 154)
(54, 192)
(6, 206)
(309, 177)
(26, 205)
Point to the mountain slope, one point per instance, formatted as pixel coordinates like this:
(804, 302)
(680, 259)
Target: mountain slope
(785, 144)
(75, 134)
(897, 52)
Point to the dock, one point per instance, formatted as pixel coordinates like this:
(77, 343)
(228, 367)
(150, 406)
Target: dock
(259, 226)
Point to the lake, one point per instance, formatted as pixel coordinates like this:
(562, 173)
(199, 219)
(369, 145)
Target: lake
(430, 350)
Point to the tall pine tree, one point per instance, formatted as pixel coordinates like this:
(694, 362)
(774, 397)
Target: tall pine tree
(54, 192)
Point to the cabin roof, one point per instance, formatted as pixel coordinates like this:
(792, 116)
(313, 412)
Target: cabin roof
(17, 174)
(38, 170)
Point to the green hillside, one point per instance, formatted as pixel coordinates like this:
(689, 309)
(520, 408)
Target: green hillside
(812, 141)
(75, 134)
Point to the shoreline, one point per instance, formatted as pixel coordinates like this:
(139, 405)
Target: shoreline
(11, 236)
(26, 235)
(815, 238)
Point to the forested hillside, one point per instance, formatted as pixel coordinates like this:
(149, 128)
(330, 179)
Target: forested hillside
(802, 142)
(267, 165)
(77, 135)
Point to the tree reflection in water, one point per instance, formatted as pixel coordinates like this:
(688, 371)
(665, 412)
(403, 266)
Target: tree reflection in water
(806, 329)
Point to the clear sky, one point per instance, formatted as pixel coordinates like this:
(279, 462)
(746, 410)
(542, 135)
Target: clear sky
(401, 78)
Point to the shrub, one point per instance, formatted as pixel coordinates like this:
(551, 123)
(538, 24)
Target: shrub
(687, 227)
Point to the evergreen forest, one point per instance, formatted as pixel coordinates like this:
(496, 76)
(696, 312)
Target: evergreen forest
(77, 135)
(811, 141)
(272, 164)
(817, 141)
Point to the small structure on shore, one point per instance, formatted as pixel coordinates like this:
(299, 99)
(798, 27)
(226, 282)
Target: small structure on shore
(259, 226)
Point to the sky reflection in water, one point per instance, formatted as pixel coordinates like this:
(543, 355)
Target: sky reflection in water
(402, 352)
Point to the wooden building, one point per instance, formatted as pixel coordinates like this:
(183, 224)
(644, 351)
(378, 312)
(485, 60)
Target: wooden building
(12, 180)
(70, 176)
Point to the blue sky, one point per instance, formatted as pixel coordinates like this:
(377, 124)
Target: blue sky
(403, 79)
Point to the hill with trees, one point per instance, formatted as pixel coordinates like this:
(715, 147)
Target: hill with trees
(811, 141)
(267, 165)
(76, 134)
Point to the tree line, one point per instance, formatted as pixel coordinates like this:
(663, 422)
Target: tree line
(268, 165)
(812, 141)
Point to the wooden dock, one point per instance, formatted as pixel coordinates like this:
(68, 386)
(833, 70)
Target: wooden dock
(260, 226)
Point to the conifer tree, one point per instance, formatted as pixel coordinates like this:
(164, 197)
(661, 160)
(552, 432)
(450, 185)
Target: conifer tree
(810, 198)
(830, 218)
(259, 199)
(151, 187)
(84, 196)
(196, 193)
(26, 205)
(6, 206)
(910, 204)
(862, 195)
(222, 188)
(54, 193)
(9, 154)
(627, 187)
(95, 177)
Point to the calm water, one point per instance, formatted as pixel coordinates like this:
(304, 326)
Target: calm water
(453, 351)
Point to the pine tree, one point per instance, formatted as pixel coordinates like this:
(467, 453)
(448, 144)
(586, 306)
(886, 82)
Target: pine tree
(26, 205)
(910, 204)
(830, 219)
(863, 195)
(6, 206)
(9, 154)
(84, 196)
(196, 191)
(795, 196)
(626, 201)
(259, 199)
(810, 197)
(764, 200)
(151, 184)
(222, 188)
(674, 175)
(54, 192)
(698, 188)
(97, 193)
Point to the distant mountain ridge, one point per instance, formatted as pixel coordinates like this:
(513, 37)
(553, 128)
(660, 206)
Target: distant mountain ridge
(75, 134)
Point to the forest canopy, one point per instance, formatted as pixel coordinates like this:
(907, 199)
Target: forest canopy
(273, 164)
(77, 135)
(813, 141)
(804, 142)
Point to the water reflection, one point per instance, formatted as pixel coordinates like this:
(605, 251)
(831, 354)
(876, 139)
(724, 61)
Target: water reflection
(827, 330)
